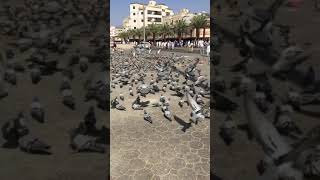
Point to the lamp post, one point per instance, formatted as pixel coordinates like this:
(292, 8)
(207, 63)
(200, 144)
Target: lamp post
(144, 24)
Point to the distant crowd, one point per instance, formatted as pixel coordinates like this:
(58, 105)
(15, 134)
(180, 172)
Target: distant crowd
(203, 45)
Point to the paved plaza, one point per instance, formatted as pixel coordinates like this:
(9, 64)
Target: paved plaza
(161, 150)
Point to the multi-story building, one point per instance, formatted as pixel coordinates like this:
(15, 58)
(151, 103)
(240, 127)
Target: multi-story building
(141, 14)
(182, 14)
(114, 33)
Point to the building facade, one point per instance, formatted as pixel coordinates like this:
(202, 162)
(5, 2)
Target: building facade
(146, 13)
(114, 33)
(184, 14)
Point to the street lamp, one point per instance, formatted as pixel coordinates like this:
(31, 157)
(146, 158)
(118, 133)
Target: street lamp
(144, 24)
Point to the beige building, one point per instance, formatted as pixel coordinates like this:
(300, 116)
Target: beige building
(146, 13)
(114, 33)
(184, 14)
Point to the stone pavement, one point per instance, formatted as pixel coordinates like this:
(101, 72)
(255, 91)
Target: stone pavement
(157, 151)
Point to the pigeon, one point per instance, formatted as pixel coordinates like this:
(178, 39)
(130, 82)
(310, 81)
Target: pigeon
(13, 130)
(37, 111)
(196, 116)
(35, 74)
(164, 89)
(199, 100)
(294, 98)
(228, 130)
(120, 107)
(85, 143)
(260, 100)
(131, 92)
(10, 76)
(284, 123)
(65, 84)
(167, 102)
(68, 99)
(162, 98)
(181, 102)
(147, 117)
(34, 145)
(136, 107)
(168, 114)
(121, 96)
(83, 61)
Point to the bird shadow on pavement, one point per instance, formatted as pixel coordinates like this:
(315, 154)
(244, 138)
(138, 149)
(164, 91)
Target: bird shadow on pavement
(182, 123)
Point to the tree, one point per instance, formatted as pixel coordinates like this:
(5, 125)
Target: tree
(165, 30)
(132, 33)
(154, 31)
(124, 35)
(198, 22)
(180, 27)
(139, 33)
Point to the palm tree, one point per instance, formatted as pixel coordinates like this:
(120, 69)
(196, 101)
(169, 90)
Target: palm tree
(165, 30)
(180, 27)
(153, 29)
(139, 33)
(132, 33)
(198, 22)
(124, 35)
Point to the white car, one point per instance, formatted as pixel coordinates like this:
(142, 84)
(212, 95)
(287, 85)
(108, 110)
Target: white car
(143, 45)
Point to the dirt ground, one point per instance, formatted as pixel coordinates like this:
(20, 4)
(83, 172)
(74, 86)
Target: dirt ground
(144, 151)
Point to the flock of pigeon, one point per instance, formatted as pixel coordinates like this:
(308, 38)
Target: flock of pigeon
(40, 32)
(289, 152)
(144, 73)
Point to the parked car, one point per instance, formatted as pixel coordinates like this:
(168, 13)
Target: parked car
(143, 45)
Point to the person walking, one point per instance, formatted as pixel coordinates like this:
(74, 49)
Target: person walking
(173, 44)
(208, 49)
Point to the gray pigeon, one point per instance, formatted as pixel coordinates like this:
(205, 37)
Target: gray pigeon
(10, 76)
(37, 111)
(35, 74)
(68, 99)
(84, 143)
(34, 145)
(228, 130)
(147, 117)
(83, 64)
(168, 114)
(13, 130)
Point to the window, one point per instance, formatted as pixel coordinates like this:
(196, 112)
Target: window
(163, 10)
(168, 14)
(133, 7)
(150, 19)
(134, 28)
(141, 20)
(134, 20)
(134, 13)
(141, 13)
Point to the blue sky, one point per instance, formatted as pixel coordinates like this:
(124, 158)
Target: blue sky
(119, 9)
